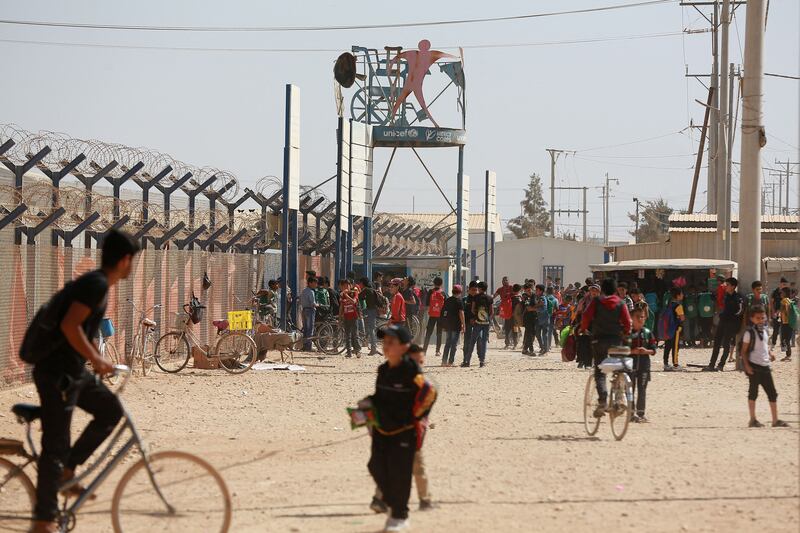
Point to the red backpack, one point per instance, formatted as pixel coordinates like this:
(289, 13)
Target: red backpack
(436, 299)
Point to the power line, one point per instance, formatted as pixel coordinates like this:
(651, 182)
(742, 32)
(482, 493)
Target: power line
(633, 142)
(331, 50)
(782, 76)
(611, 163)
(75, 25)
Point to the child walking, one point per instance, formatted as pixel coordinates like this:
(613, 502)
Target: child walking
(643, 345)
(788, 322)
(453, 322)
(349, 313)
(757, 358)
(378, 505)
(671, 323)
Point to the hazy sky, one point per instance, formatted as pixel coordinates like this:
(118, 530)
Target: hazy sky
(225, 108)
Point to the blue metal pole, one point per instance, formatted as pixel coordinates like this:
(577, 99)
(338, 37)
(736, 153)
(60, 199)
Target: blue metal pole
(368, 247)
(337, 257)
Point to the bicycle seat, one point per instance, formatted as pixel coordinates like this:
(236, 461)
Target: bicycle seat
(26, 411)
(221, 325)
(148, 323)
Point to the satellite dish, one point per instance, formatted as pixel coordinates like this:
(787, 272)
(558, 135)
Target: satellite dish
(345, 70)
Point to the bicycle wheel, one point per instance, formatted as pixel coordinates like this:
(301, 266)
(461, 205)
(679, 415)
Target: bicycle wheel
(591, 423)
(148, 354)
(621, 405)
(111, 355)
(236, 352)
(328, 339)
(17, 496)
(197, 498)
(172, 352)
(414, 326)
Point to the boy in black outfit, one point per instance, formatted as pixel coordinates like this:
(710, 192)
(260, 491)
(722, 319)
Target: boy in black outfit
(402, 399)
(63, 381)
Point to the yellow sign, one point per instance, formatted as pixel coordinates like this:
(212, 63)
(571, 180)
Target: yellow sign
(240, 320)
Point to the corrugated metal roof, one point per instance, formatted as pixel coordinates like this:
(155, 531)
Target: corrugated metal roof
(666, 264)
(476, 220)
(712, 229)
(704, 217)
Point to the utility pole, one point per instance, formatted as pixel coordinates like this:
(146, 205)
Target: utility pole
(713, 137)
(582, 212)
(789, 165)
(554, 153)
(636, 233)
(753, 139)
(721, 157)
(606, 196)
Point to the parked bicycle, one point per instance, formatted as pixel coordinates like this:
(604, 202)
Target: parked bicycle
(619, 405)
(106, 348)
(142, 354)
(166, 491)
(234, 350)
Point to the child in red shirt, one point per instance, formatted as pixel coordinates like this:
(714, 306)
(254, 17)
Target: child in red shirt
(348, 314)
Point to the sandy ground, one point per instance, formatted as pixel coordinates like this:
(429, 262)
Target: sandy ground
(508, 451)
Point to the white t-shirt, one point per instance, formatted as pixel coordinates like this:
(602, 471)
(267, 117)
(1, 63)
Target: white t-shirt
(760, 352)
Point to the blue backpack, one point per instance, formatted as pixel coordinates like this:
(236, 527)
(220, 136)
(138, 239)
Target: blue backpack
(667, 322)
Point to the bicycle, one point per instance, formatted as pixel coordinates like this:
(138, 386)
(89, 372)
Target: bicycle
(107, 350)
(142, 349)
(163, 491)
(619, 403)
(234, 350)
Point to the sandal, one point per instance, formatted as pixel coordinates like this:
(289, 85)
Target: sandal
(780, 424)
(755, 424)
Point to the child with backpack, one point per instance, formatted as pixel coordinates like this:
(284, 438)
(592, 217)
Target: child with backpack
(435, 303)
(756, 359)
(670, 327)
(349, 313)
(789, 314)
(643, 345)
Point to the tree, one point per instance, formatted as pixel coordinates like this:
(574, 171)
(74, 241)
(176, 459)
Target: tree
(535, 218)
(653, 221)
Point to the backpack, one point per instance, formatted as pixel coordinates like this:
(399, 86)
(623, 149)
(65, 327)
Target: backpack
(667, 323)
(606, 321)
(705, 305)
(739, 355)
(690, 306)
(42, 337)
(436, 303)
(570, 349)
(793, 314)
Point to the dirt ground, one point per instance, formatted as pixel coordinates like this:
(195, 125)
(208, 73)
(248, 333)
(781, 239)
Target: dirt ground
(508, 451)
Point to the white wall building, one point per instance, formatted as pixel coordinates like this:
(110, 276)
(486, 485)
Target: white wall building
(539, 257)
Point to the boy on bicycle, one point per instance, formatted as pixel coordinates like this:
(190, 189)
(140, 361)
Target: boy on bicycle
(643, 345)
(63, 381)
(609, 322)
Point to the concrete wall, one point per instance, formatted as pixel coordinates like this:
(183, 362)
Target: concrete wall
(524, 258)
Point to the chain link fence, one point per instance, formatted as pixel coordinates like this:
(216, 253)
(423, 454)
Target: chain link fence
(31, 274)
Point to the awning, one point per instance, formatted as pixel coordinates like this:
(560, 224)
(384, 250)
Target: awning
(665, 264)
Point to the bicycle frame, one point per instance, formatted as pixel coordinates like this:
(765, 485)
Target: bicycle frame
(194, 342)
(135, 439)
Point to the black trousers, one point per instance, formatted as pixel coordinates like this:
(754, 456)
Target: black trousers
(509, 333)
(762, 375)
(776, 329)
(530, 334)
(391, 466)
(583, 346)
(726, 335)
(434, 322)
(640, 377)
(95, 399)
(787, 335)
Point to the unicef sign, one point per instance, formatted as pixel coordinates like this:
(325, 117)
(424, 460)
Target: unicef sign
(417, 136)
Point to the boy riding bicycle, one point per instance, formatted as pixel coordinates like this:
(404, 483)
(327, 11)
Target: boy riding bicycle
(609, 321)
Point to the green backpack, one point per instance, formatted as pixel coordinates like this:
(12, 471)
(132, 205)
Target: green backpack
(690, 306)
(705, 305)
(793, 313)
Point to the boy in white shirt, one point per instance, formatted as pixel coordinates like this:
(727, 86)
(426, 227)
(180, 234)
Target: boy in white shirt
(756, 358)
